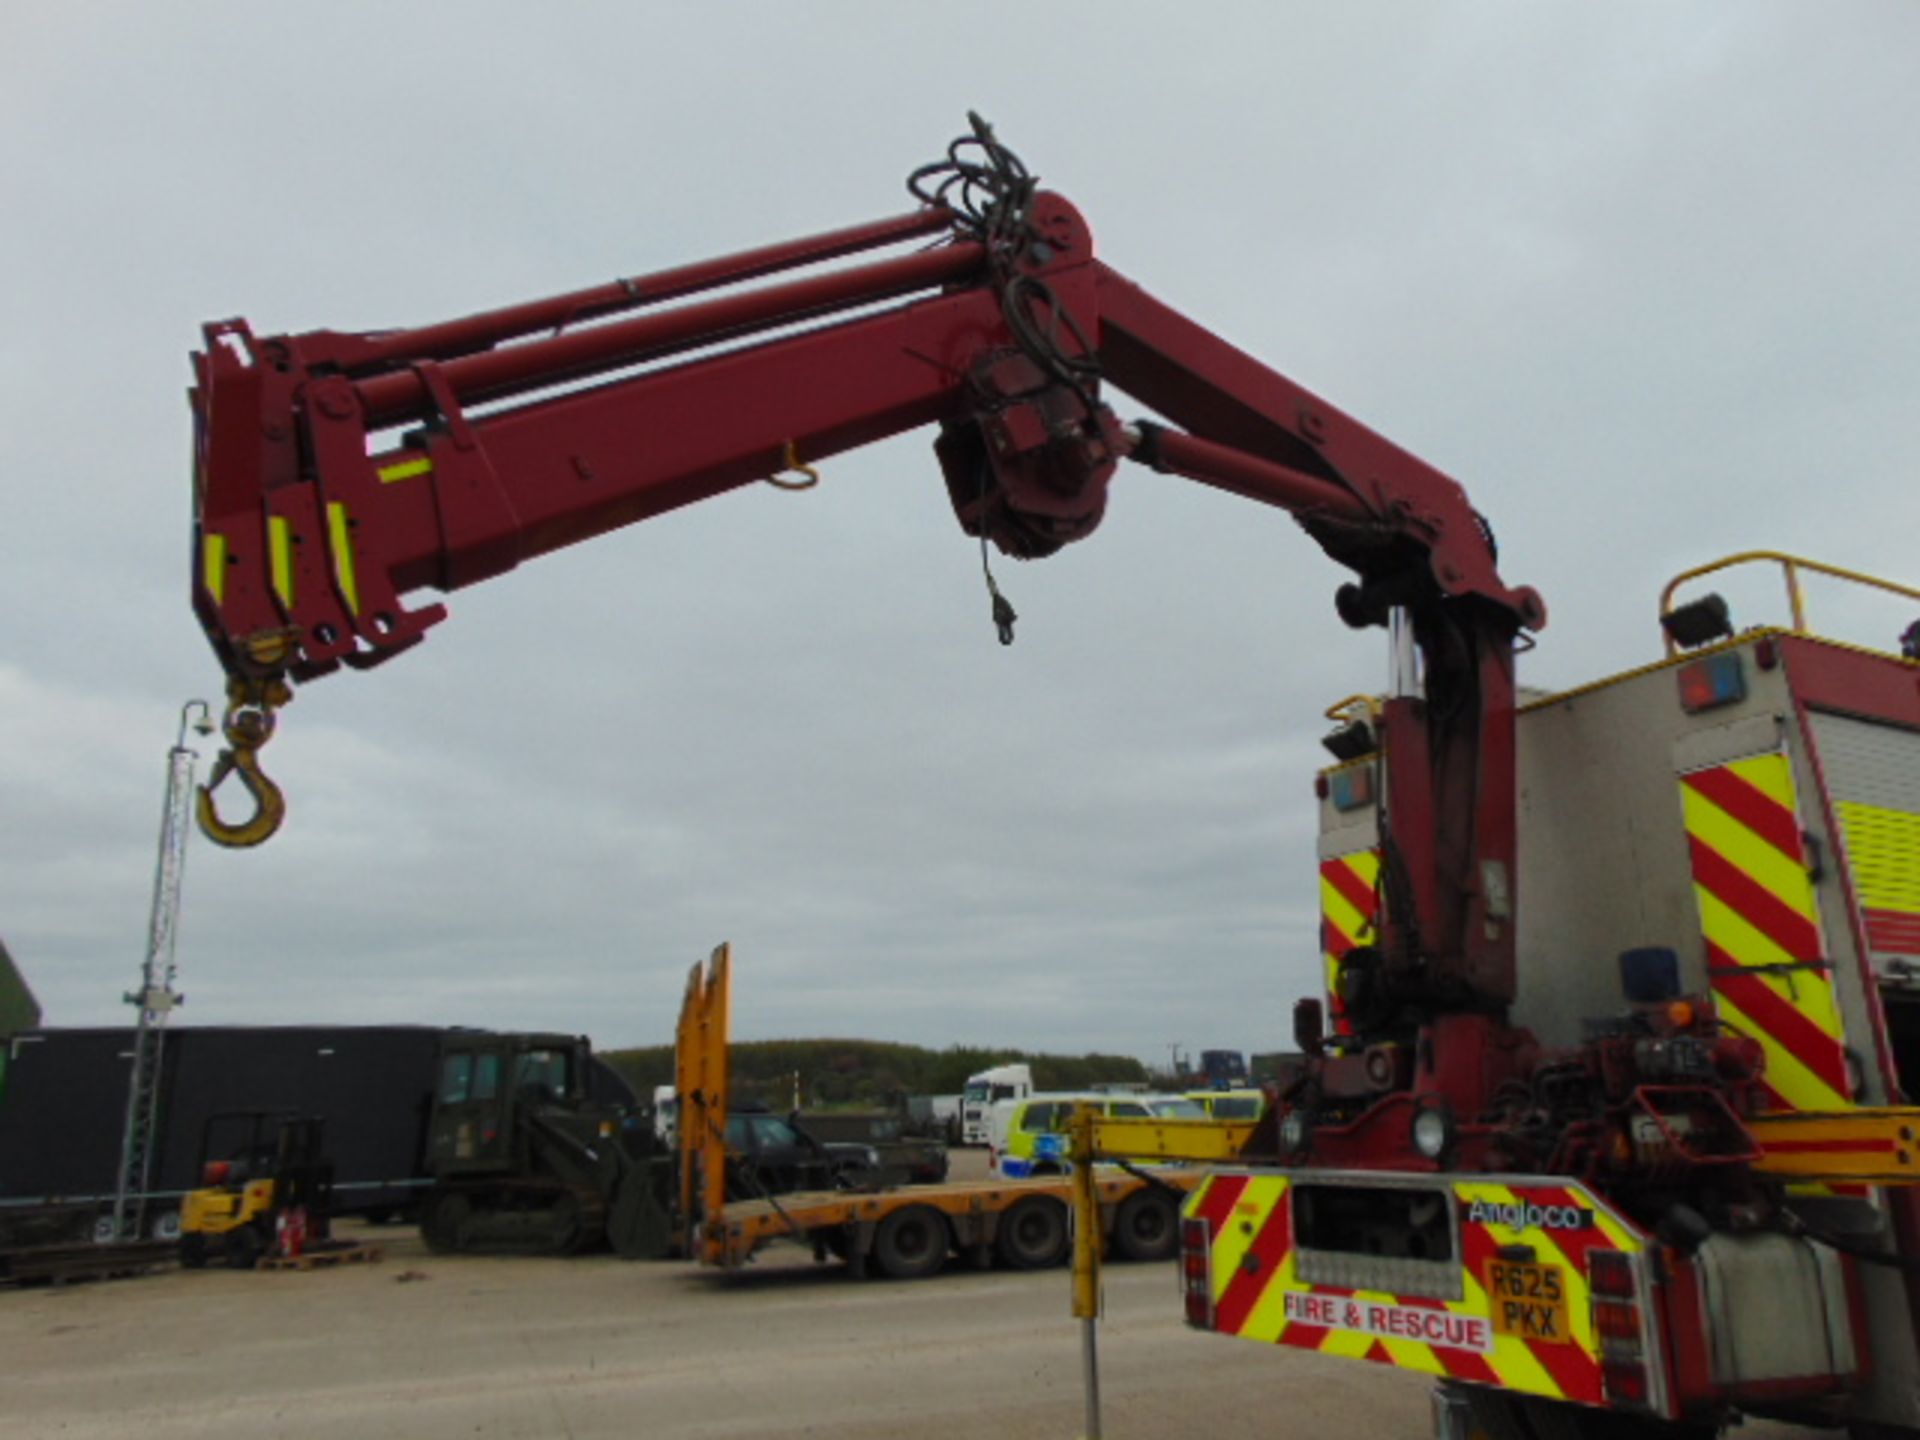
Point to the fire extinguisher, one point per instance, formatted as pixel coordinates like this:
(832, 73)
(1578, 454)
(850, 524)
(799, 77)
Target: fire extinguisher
(291, 1230)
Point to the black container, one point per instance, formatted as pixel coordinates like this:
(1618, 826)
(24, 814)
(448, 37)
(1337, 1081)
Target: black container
(63, 1109)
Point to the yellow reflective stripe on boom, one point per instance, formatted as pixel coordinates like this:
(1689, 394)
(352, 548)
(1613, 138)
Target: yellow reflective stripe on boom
(404, 470)
(280, 556)
(342, 544)
(213, 566)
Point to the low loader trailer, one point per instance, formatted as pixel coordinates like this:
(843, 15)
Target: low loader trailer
(905, 1232)
(911, 1232)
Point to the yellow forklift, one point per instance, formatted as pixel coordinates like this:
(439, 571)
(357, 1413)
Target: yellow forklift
(270, 1192)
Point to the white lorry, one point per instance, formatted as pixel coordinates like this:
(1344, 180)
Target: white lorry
(1002, 1082)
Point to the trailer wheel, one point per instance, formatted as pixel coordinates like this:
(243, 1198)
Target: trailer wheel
(166, 1225)
(911, 1243)
(1147, 1226)
(1032, 1235)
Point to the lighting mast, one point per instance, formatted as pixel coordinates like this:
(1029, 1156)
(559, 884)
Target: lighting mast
(156, 996)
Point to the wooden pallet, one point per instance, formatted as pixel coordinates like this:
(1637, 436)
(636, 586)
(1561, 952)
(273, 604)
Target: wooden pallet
(41, 1264)
(313, 1259)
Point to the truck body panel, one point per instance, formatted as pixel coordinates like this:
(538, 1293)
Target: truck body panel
(1627, 841)
(1529, 1283)
(1770, 839)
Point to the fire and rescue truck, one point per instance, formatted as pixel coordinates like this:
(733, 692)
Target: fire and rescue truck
(1599, 1133)
(1674, 1194)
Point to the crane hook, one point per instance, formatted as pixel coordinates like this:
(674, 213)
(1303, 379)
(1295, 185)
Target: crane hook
(248, 724)
(1003, 614)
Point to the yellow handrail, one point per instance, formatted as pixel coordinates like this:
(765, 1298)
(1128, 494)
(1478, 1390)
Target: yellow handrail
(1342, 709)
(1790, 566)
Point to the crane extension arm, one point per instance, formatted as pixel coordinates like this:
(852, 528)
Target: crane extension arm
(339, 473)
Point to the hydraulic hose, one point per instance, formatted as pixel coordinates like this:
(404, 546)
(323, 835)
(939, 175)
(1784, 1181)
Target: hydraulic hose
(1794, 1226)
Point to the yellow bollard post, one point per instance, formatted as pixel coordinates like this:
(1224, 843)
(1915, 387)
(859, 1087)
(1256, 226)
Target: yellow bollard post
(1086, 1261)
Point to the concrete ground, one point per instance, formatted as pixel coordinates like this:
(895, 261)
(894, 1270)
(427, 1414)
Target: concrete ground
(426, 1346)
(593, 1347)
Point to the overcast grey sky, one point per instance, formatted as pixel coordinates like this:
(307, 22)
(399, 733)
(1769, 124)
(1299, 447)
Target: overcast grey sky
(1643, 277)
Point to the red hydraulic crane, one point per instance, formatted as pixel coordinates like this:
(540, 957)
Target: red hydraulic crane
(1003, 333)
(1592, 1228)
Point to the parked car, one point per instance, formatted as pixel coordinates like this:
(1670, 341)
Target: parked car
(772, 1156)
(1231, 1104)
(904, 1159)
(1029, 1137)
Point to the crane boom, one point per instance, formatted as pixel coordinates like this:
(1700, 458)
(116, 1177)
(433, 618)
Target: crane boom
(521, 431)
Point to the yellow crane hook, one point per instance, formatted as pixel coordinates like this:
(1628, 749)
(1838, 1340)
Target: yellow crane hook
(248, 724)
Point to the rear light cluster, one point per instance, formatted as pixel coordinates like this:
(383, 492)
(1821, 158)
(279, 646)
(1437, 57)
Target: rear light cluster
(1616, 1320)
(1351, 789)
(1710, 683)
(1196, 1272)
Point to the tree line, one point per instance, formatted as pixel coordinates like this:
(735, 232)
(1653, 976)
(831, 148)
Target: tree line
(869, 1072)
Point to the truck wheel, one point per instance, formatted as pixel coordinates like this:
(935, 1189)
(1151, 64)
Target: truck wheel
(1147, 1226)
(441, 1223)
(1556, 1420)
(166, 1225)
(911, 1243)
(1476, 1412)
(1032, 1235)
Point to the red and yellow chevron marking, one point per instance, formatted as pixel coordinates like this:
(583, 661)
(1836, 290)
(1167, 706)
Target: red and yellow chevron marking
(1883, 857)
(1257, 1294)
(1758, 914)
(1349, 908)
(1864, 1143)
